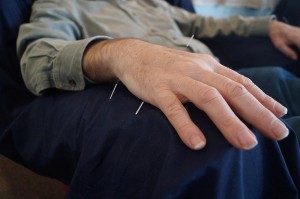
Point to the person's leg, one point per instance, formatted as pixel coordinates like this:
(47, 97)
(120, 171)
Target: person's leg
(244, 52)
(103, 150)
(278, 83)
(282, 86)
(285, 88)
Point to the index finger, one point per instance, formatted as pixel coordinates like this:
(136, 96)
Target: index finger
(174, 110)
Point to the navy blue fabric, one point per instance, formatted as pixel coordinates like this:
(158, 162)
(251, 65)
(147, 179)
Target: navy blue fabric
(258, 51)
(288, 11)
(185, 4)
(280, 84)
(284, 87)
(103, 150)
(239, 52)
(13, 94)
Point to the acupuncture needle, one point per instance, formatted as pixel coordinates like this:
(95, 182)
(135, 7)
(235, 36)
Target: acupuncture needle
(139, 108)
(112, 93)
(143, 101)
(187, 45)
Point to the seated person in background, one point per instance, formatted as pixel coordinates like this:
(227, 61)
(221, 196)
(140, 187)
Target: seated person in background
(257, 51)
(106, 152)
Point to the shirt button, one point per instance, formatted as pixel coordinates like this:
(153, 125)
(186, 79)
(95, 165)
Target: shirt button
(72, 83)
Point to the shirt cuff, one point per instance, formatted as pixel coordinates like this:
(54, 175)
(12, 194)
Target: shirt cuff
(67, 71)
(260, 26)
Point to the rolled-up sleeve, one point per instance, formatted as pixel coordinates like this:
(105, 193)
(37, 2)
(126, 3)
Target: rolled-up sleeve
(54, 63)
(51, 48)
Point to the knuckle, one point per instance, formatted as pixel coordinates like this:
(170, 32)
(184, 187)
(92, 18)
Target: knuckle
(228, 121)
(209, 95)
(173, 110)
(263, 113)
(236, 89)
(268, 100)
(245, 81)
(182, 127)
(210, 60)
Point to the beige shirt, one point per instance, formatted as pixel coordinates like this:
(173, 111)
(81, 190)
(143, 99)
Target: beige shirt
(52, 45)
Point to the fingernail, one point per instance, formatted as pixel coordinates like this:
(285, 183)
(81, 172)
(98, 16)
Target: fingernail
(247, 139)
(279, 130)
(197, 142)
(281, 110)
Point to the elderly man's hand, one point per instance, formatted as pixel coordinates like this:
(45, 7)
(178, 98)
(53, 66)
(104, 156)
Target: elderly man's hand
(167, 78)
(283, 36)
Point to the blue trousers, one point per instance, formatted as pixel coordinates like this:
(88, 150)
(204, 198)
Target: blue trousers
(101, 149)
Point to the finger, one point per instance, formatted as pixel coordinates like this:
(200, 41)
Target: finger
(266, 100)
(286, 49)
(247, 106)
(189, 133)
(212, 103)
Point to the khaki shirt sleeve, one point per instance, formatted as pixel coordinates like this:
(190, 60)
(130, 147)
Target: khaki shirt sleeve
(50, 49)
(54, 63)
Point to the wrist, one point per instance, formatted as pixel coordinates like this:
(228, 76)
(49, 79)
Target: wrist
(95, 64)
